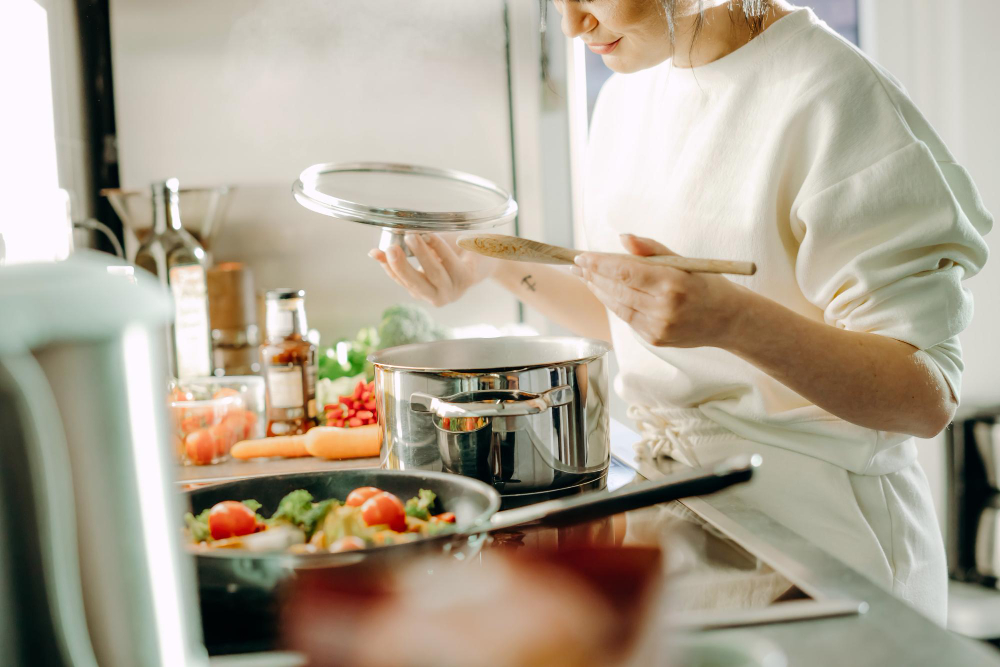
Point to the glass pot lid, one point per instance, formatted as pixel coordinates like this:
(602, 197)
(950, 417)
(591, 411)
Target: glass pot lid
(403, 197)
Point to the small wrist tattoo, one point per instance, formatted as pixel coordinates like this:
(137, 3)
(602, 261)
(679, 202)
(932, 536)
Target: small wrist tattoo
(527, 282)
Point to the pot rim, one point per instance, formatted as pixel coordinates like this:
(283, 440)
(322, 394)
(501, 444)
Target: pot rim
(603, 346)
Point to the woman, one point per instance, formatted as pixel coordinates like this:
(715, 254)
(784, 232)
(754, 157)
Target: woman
(752, 131)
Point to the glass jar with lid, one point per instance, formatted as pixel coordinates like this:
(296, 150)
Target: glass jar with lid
(289, 364)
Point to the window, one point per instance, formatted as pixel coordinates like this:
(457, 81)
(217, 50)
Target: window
(840, 15)
(33, 215)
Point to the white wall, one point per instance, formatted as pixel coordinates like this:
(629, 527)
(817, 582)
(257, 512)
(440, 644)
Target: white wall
(250, 92)
(945, 54)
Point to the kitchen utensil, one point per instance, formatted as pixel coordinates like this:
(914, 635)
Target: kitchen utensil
(539, 405)
(525, 250)
(88, 573)
(204, 212)
(402, 197)
(235, 583)
(474, 503)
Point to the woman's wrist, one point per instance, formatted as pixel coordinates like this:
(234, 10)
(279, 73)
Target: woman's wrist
(749, 313)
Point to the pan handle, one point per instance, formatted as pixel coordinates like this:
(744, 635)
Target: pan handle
(501, 403)
(587, 507)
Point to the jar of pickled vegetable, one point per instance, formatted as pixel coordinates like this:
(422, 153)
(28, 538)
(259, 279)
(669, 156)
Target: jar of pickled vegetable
(288, 363)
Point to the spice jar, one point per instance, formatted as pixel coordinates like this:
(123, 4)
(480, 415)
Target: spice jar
(288, 362)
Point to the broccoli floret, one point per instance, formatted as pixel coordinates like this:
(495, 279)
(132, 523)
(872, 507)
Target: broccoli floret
(294, 507)
(316, 515)
(252, 504)
(420, 507)
(198, 526)
(408, 323)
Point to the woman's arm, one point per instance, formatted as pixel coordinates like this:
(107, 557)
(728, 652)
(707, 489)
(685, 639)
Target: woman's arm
(559, 295)
(863, 378)
(446, 273)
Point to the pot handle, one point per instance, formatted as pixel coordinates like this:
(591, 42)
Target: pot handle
(513, 403)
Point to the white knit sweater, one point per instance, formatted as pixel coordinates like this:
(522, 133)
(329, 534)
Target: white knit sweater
(799, 153)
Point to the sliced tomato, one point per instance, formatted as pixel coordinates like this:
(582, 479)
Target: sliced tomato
(358, 496)
(385, 509)
(349, 543)
(231, 519)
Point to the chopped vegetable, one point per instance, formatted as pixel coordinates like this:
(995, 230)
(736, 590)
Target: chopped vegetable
(358, 496)
(314, 517)
(349, 543)
(198, 526)
(231, 519)
(384, 509)
(294, 507)
(371, 517)
(419, 507)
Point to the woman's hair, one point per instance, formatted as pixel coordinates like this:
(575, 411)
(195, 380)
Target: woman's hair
(754, 12)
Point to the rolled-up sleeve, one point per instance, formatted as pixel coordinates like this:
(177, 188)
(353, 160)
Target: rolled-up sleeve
(885, 251)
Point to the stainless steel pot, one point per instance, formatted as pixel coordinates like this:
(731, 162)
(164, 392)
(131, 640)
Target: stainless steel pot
(523, 414)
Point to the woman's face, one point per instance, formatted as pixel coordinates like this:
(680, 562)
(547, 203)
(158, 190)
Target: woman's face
(630, 35)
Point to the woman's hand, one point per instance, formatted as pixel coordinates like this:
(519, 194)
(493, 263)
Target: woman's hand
(445, 272)
(665, 306)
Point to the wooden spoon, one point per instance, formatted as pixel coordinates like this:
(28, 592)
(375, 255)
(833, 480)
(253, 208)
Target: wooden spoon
(524, 250)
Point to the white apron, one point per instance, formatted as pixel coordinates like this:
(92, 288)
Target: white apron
(883, 526)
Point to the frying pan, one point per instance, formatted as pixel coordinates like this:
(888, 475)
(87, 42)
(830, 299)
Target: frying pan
(241, 584)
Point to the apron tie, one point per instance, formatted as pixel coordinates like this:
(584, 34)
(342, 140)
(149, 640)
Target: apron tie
(671, 432)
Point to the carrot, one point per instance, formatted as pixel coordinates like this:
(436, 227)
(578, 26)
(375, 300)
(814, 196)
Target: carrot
(329, 442)
(282, 445)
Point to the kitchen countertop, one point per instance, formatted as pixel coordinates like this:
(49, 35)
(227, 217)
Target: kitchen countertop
(889, 633)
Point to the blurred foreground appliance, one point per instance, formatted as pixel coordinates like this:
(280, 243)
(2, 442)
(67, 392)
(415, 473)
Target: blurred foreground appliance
(91, 572)
(974, 499)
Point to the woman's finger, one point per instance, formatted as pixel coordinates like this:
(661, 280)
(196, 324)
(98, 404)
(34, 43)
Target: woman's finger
(434, 270)
(644, 247)
(411, 279)
(623, 293)
(642, 323)
(449, 258)
(643, 277)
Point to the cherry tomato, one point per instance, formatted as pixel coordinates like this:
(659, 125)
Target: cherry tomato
(385, 509)
(231, 519)
(359, 495)
(446, 517)
(200, 446)
(224, 433)
(191, 424)
(349, 543)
